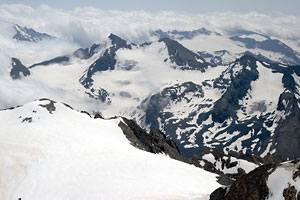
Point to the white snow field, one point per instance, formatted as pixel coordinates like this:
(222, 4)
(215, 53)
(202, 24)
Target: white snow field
(282, 178)
(65, 154)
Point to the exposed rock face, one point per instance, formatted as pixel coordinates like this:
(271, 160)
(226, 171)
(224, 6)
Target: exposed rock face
(270, 45)
(105, 62)
(87, 52)
(228, 167)
(218, 194)
(153, 142)
(183, 57)
(29, 35)
(57, 60)
(231, 112)
(271, 181)
(252, 186)
(50, 106)
(226, 107)
(290, 193)
(18, 69)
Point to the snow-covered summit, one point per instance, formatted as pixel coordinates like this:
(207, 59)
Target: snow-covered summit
(50, 151)
(29, 34)
(236, 43)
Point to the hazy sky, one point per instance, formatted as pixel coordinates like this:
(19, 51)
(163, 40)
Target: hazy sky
(290, 7)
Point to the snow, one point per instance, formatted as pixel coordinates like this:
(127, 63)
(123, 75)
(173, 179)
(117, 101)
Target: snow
(149, 73)
(256, 37)
(280, 179)
(237, 145)
(267, 150)
(297, 80)
(214, 43)
(68, 155)
(247, 166)
(211, 43)
(264, 92)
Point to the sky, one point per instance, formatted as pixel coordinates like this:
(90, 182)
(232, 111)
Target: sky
(287, 7)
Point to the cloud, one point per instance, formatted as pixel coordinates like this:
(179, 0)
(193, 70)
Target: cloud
(88, 25)
(84, 26)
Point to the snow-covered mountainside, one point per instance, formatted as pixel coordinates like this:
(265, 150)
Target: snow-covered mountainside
(250, 106)
(224, 49)
(50, 151)
(273, 182)
(29, 34)
(119, 74)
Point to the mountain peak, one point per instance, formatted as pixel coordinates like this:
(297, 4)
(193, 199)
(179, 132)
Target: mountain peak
(30, 35)
(181, 35)
(184, 57)
(119, 42)
(18, 68)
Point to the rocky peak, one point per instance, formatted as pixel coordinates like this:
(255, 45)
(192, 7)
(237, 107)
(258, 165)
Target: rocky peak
(18, 69)
(271, 181)
(154, 141)
(183, 57)
(119, 42)
(29, 34)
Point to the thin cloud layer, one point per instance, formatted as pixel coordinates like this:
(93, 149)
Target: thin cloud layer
(82, 27)
(88, 25)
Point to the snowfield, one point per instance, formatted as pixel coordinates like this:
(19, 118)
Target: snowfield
(49, 151)
(282, 178)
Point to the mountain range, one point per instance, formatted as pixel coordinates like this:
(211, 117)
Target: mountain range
(224, 49)
(224, 103)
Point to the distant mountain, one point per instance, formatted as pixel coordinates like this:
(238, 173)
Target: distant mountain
(18, 69)
(180, 35)
(252, 107)
(224, 49)
(29, 34)
(249, 106)
(107, 61)
(177, 57)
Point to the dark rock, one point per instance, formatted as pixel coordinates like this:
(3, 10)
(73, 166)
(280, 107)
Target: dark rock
(229, 103)
(218, 194)
(99, 94)
(87, 52)
(85, 112)
(57, 60)
(183, 57)
(251, 186)
(224, 180)
(153, 142)
(296, 173)
(105, 62)
(226, 161)
(98, 116)
(50, 106)
(119, 42)
(67, 105)
(18, 68)
(290, 193)
(270, 45)
(27, 119)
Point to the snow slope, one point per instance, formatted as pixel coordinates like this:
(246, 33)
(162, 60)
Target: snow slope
(49, 151)
(284, 177)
